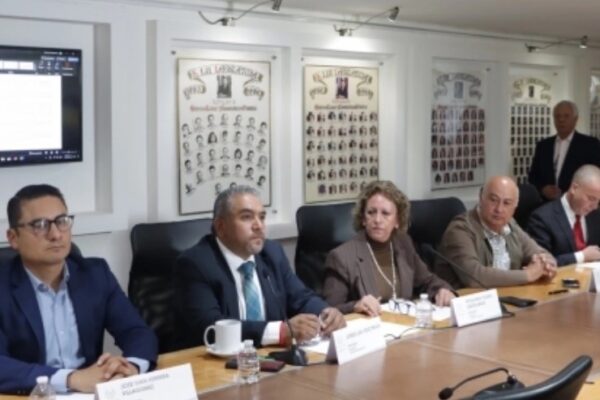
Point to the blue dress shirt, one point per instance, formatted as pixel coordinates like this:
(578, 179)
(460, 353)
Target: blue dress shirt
(61, 335)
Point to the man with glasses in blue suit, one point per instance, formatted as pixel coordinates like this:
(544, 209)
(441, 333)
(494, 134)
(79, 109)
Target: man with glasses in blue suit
(55, 305)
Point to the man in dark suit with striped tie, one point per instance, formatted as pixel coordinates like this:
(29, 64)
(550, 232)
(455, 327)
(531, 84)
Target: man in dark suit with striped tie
(569, 227)
(236, 273)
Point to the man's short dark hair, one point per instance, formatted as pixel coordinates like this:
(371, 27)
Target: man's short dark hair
(27, 193)
(222, 204)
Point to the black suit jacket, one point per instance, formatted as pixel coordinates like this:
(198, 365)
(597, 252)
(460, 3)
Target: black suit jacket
(550, 228)
(205, 291)
(583, 150)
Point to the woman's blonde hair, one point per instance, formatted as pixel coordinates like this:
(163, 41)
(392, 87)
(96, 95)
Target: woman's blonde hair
(390, 192)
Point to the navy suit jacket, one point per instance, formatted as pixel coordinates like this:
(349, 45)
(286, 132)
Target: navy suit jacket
(582, 150)
(206, 292)
(550, 228)
(98, 303)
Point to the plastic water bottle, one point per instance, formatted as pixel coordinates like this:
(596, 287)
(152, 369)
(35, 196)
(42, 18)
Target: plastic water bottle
(424, 312)
(42, 390)
(248, 364)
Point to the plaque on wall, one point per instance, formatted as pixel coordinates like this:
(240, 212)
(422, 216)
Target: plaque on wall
(340, 131)
(530, 121)
(534, 91)
(595, 104)
(458, 125)
(224, 129)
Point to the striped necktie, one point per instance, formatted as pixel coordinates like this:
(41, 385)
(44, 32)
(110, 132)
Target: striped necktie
(253, 309)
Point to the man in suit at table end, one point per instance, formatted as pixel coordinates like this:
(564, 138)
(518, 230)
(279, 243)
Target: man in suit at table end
(569, 227)
(558, 157)
(55, 306)
(235, 273)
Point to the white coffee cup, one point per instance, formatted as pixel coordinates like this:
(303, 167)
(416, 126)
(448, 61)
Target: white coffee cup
(228, 336)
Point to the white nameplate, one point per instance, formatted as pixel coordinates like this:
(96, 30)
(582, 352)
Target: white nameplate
(589, 265)
(476, 307)
(359, 338)
(175, 383)
(595, 280)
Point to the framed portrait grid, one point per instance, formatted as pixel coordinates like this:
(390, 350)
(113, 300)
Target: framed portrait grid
(595, 104)
(532, 95)
(224, 129)
(340, 131)
(458, 124)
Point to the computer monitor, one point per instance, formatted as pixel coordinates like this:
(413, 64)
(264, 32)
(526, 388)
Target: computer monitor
(40, 105)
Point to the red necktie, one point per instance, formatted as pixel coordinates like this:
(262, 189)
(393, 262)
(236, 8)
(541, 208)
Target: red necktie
(578, 234)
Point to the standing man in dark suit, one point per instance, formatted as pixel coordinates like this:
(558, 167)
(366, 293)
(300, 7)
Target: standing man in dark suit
(557, 158)
(569, 227)
(55, 306)
(236, 273)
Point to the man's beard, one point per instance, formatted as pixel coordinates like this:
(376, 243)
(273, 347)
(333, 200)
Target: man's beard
(253, 247)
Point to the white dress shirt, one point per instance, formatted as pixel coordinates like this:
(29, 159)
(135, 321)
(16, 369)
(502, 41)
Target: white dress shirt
(579, 257)
(271, 333)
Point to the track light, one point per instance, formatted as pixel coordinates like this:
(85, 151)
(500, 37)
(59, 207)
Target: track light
(347, 31)
(344, 31)
(230, 21)
(531, 48)
(393, 14)
(581, 42)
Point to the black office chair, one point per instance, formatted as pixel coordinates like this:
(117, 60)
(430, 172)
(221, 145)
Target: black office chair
(529, 200)
(565, 385)
(320, 229)
(155, 248)
(429, 219)
(7, 253)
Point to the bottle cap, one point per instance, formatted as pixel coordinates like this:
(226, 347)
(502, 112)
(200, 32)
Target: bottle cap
(248, 343)
(42, 379)
(423, 296)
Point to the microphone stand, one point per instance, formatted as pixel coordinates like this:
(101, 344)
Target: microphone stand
(294, 355)
(511, 383)
(428, 248)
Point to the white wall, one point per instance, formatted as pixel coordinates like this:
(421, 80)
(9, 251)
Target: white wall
(130, 170)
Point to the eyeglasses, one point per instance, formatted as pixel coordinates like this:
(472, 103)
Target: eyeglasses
(42, 226)
(401, 306)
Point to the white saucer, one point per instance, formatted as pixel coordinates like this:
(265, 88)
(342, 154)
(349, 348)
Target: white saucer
(216, 353)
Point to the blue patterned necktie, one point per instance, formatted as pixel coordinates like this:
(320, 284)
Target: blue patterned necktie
(253, 310)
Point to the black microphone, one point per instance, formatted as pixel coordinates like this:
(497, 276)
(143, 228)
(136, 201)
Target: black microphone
(429, 248)
(511, 383)
(294, 355)
(515, 301)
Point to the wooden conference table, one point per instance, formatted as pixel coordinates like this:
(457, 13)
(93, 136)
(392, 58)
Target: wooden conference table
(533, 345)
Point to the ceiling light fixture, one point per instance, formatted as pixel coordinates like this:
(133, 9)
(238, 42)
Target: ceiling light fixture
(582, 42)
(347, 31)
(230, 21)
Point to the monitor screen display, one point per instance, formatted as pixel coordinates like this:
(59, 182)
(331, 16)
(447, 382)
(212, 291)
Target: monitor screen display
(40, 105)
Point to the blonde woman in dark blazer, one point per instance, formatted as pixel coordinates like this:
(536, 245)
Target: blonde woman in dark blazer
(380, 262)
